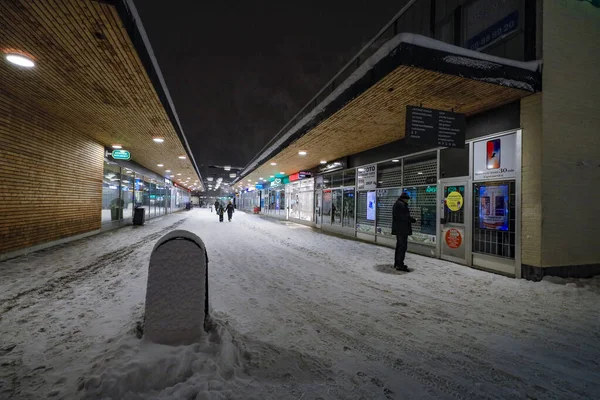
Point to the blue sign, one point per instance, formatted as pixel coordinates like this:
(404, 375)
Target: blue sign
(500, 29)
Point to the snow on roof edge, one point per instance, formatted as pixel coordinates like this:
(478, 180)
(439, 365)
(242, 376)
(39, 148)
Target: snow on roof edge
(386, 49)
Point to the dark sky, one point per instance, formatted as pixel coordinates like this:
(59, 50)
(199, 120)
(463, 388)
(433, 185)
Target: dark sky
(239, 70)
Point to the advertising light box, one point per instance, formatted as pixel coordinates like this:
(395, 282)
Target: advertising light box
(493, 207)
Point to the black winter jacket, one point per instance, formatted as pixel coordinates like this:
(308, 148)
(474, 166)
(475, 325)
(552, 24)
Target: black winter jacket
(229, 208)
(401, 219)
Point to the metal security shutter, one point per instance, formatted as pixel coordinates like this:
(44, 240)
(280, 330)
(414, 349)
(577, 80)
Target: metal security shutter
(364, 225)
(417, 173)
(389, 175)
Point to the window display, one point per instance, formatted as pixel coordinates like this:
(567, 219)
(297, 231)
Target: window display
(493, 207)
(348, 214)
(494, 224)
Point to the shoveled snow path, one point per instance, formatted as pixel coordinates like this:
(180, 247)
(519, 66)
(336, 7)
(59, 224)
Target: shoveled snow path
(309, 314)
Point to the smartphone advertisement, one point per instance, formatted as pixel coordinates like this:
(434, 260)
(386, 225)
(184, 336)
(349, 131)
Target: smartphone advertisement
(493, 207)
(494, 159)
(371, 199)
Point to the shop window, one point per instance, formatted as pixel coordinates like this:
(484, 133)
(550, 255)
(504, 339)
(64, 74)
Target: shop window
(326, 181)
(348, 205)
(349, 177)
(127, 185)
(112, 204)
(385, 204)
(365, 213)
(327, 202)
(389, 174)
(336, 207)
(423, 207)
(337, 179)
(420, 170)
(494, 218)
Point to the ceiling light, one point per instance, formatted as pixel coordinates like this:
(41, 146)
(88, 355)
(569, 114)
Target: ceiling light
(271, 176)
(273, 163)
(20, 60)
(167, 170)
(171, 176)
(210, 179)
(323, 162)
(117, 146)
(178, 174)
(261, 178)
(227, 168)
(182, 157)
(232, 175)
(160, 165)
(282, 173)
(302, 152)
(395, 160)
(249, 180)
(158, 140)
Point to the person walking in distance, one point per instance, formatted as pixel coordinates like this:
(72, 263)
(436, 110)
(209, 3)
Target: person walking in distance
(229, 210)
(220, 212)
(217, 206)
(402, 228)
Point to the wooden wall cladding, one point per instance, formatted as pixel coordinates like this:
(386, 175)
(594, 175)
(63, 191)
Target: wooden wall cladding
(50, 177)
(88, 74)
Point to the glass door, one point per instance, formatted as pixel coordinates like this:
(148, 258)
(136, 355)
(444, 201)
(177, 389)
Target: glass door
(454, 224)
(318, 206)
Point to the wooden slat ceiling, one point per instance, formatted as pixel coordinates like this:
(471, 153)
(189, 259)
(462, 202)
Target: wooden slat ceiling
(377, 116)
(88, 74)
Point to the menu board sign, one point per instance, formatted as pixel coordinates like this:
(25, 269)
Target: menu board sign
(435, 127)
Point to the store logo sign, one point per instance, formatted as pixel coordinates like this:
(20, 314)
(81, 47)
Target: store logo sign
(121, 155)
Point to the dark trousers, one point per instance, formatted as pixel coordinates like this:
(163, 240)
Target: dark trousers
(229, 215)
(401, 247)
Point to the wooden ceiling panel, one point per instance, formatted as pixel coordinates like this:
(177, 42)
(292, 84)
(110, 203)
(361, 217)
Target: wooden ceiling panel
(377, 116)
(88, 74)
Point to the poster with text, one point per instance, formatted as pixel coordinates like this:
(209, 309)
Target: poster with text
(371, 200)
(493, 207)
(495, 159)
(366, 177)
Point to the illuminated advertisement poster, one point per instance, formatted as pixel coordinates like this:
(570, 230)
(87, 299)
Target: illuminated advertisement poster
(493, 207)
(371, 200)
(494, 159)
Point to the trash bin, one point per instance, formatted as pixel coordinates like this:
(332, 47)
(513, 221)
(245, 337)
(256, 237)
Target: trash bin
(139, 215)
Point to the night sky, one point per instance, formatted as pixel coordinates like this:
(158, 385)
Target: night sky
(238, 71)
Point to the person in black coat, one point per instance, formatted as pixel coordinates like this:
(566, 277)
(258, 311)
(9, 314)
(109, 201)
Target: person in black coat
(220, 212)
(229, 210)
(402, 228)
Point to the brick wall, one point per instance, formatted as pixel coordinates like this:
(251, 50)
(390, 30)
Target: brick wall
(531, 188)
(571, 133)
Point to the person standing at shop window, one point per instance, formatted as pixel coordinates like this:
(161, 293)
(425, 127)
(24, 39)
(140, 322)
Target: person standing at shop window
(402, 228)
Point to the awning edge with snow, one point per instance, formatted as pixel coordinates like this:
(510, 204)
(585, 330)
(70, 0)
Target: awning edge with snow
(416, 51)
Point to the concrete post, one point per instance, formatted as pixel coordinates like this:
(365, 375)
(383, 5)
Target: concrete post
(177, 290)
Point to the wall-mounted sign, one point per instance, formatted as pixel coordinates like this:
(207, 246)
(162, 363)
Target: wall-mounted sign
(495, 32)
(168, 182)
(366, 177)
(454, 201)
(276, 182)
(435, 127)
(121, 155)
(494, 159)
(332, 166)
(493, 207)
(453, 238)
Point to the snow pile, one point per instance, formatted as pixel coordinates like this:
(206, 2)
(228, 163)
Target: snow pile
(473, 63)
(508, 83)
(557, 283)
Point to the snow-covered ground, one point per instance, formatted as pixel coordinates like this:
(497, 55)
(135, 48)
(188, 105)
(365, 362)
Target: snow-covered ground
(298, 315)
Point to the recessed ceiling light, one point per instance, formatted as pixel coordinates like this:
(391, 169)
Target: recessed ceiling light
(302, 152)
(117, 146)
(282, 173)
(323, 162)
(182, 157)
(395, 160)
(273, 163)
(261, 178)
(249, 180)
(160, 165)
(158, 140)
(232, 175)
(20, 60)
(227, 168)
(178, 174)
(167, 170)
(271, 176)
(171, 176)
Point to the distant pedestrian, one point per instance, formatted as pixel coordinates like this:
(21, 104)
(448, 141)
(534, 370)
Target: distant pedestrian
(229, 210)
(402, 228)
(220, 212)
(217, 206)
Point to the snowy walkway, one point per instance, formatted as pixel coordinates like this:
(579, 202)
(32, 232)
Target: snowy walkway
(299, 315)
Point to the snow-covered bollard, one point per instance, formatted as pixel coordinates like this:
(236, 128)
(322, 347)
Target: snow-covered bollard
(177, 290)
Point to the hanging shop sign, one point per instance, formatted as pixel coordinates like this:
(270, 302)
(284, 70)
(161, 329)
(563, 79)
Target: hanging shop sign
(454, 201)
(300, 175)
(366, 177)
(371, 203)
(276, 182)
(493, 207)
(121, 155)
(168, 182)
(435, 127)
(494, 159)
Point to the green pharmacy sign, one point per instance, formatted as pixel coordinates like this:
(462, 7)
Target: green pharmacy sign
(121, 155)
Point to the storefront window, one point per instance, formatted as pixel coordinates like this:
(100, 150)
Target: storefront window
(336, 207)
(422, 206)
(389, 174)
(365, 214)
(337, 179)
(327, 202)
(494, 218)
(349, 177)
(420, 170)
(385, 204)
(348, 213)
(127, 194)
(112, 205)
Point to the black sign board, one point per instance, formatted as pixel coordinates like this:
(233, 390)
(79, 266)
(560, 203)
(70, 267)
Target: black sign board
(435, 127)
